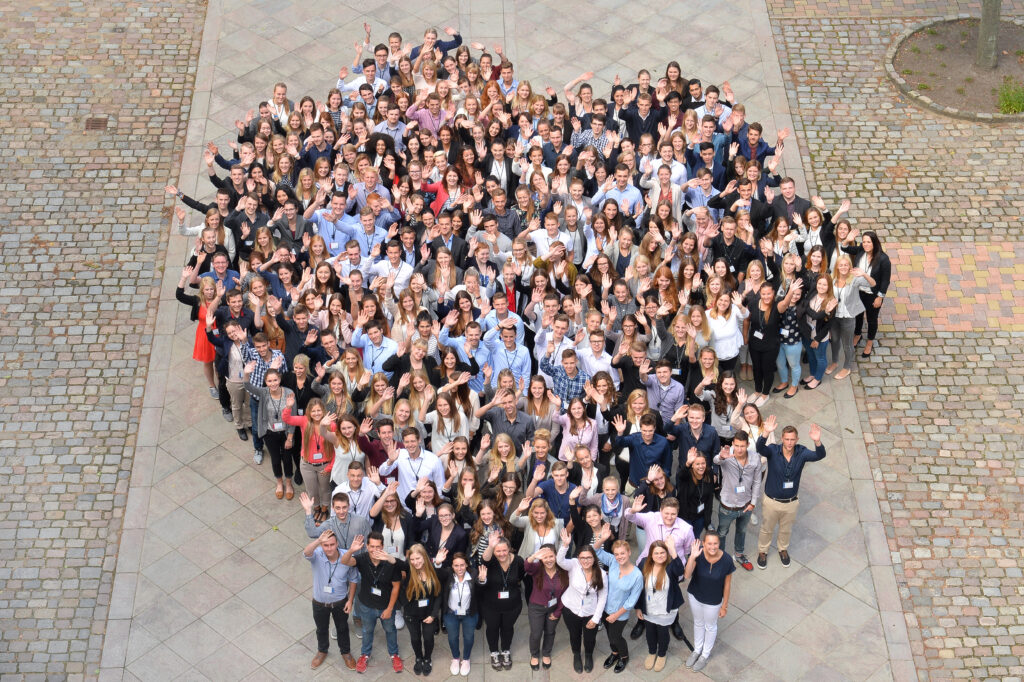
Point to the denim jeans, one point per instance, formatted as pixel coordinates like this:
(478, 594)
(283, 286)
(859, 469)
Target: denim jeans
(452, 623)
(725, 519)
(254, 409)
(788, 363)
(817, 359)
(370, 617)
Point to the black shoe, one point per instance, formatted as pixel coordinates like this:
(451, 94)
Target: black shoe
(427, 667)
(418, 668)
(297, 478)
(545, 665)
(506, 660)
(577, 663)
(637, 630)
(784, 557)
(677, 630)
(612, 659)
(621, 665)
(588, 662)
(762, 561)
(243, 434)
(535, 666)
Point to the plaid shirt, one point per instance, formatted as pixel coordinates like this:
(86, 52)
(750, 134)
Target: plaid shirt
(249, 354)
(586, 137)
(566, 387)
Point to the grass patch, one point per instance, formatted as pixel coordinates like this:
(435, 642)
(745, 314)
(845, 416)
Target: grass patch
(932, 32)
(915, 49)
(924, 86)
(940, 47)
(1011, 96)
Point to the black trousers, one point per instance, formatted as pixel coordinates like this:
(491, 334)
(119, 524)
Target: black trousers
(870, 313)
(579, 633)
(657, 638)
(222, 392)
(500, 626)
(763, 362)
(728, 365)
(279, 457)
(616, 641)
(322, 614)
(422, 636)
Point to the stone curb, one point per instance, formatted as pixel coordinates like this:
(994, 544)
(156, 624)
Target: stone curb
(926, 101)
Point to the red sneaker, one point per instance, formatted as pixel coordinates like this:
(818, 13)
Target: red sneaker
(361, 664)
(396, 663)
(745, 562)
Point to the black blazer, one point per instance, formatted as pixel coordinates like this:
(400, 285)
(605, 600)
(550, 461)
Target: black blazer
(760, 212)
(822, 319)
(447, 577)
(511, 179)
(189, 300)
(780, 210)
(458, 540)
(880, 270)
(459, 249)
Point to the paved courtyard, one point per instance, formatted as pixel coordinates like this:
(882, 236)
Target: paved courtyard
(138, 540)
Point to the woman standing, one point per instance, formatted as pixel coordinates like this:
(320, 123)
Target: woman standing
(872, 260)
(544, 606)
(815, 316)
(709, 570)
(271, 426)
(764, 341)
(539, 525)
(660, 600)
(696, 492)
(459, 606)
(787, 361)
(725, 317)
(420, 598)
(583, 602)
(846, 285)
(501, 598)
(316, 454)
(203, 351)
(625, 584)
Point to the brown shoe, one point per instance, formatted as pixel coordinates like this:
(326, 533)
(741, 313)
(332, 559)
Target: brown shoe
(289, 492)
(279, 493)
(350, 662)
(318, 659)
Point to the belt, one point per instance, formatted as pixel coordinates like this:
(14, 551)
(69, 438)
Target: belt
(328, 605)
(728, 508)
(792, 499)
(314, 464)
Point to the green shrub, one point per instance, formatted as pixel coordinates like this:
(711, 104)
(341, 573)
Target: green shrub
(1011, 96)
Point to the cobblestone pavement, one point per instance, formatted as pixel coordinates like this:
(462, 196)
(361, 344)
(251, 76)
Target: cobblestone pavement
(940, 402)
(79, 266)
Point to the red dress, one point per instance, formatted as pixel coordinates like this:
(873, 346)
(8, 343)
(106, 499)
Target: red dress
(203, 351)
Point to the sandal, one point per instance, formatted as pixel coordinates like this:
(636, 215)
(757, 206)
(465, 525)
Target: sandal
(289, 492)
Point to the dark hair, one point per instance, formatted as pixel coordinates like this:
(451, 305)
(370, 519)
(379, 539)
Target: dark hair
(563, 575)
(597, 579)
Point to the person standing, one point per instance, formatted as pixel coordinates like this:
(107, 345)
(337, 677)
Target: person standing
(785, 465)
(420, 597)
(379, 582)
(625, 583)
(334, 587)
(741, 486)
(544, 606)
(583, 602)
(501, 599)
(461, 611)
(660, 599)
(709, 571)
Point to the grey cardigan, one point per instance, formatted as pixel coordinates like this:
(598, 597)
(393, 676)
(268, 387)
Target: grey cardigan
(266, 414)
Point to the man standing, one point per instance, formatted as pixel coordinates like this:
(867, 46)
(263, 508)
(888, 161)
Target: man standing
(334, 587)
(785, 464)
(379, 583)
(741, 486)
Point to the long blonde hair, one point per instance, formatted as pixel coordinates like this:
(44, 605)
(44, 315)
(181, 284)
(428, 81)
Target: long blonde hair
(549, 520)
(423, 582)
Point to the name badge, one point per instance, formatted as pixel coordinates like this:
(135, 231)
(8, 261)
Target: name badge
(248, 242)
(329, 589)
(375, 591)
(293, 252)
(298, 413)
(552, 602)
(741, 489)
(503, 594)
(334, 246)
(700, 508)
(460, 612)
(391, 549)
(422, 603)
(316, 457)
(277, 426)
(216, 332)
(758, 335)
(732, 268)
(787, 484)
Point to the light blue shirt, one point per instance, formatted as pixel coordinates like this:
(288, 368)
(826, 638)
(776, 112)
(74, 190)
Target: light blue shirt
(336, 233)
(631, 195)
(332, 575)
(517, 360)
(482, 356)
(623, 592)
(490, 321)
(374, 356)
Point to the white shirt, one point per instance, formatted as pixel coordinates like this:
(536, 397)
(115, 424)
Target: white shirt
(361, 500)
(544, 241)
(592, 365)
(461, 595)
(411, 470)
(726, 334)
(580, 597)
(403, 273)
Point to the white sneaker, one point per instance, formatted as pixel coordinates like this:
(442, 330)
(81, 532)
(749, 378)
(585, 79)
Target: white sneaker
(334, 633)
(213, 393)
(399, 620)
(753, 519)
(257, 456)
(692, 659)
(455, 666)
(464, 668)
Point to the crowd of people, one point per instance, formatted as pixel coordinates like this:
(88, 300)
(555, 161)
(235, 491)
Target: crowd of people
(517, 350)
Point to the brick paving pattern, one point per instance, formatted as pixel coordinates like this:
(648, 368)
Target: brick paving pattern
(941, 400)
(81, 243)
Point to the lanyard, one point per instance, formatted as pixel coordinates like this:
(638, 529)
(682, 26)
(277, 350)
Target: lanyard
(416, 471)
(376, 573)
(355, 498)
(276, 405)
(374, 356)
(330, 576)
(458, 588)
(369, 238)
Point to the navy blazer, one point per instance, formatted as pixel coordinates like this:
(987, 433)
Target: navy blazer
(676, 570)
